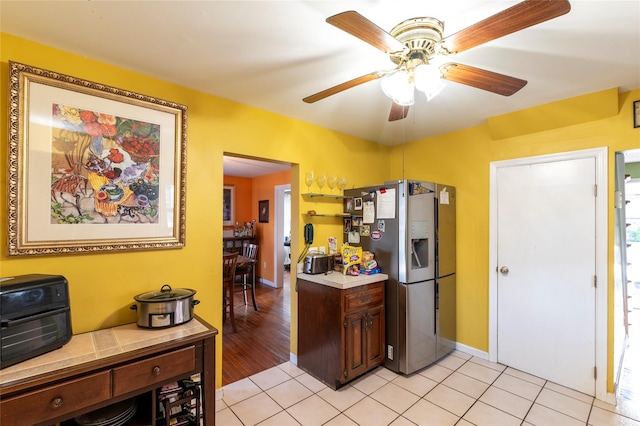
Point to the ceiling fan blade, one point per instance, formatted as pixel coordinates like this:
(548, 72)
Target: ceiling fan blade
(482, 79)
(343, 86)
(515, 18)
(362, 28)
(398, 112)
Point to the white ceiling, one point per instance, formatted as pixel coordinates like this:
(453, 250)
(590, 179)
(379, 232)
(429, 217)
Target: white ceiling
(271, 54)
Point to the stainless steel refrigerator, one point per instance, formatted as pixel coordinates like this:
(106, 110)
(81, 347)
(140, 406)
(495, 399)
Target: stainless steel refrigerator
(410, 227)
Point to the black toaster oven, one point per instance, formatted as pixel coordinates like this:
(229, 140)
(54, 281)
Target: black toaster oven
(35, 316)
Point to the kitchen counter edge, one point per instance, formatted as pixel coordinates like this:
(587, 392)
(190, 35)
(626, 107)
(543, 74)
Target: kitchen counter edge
(342, 282)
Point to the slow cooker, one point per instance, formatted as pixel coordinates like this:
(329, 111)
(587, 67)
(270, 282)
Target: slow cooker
(165, 308)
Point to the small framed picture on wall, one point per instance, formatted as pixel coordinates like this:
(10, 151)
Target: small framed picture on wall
(228, 206)
(263, 211)
(636, 114)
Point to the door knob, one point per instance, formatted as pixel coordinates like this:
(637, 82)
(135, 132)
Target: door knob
(504, 270)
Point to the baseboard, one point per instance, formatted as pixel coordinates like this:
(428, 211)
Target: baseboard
(267, 282)
(219, 394)
(293, 358)
(472, 351)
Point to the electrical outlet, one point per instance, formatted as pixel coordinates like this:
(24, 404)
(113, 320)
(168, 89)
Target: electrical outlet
(264, 265)
(313, 249)
(323, 249)
(390, 352)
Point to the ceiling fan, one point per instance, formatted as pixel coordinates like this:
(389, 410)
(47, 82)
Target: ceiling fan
(417, 45)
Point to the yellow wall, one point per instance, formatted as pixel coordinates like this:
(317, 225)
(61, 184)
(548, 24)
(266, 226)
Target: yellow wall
(462, 159)
(101, 298)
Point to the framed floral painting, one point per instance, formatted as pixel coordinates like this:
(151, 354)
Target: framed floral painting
(92, 167)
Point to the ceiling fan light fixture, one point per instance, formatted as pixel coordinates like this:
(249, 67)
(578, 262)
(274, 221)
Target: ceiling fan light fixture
(399, 87)
(427, 78)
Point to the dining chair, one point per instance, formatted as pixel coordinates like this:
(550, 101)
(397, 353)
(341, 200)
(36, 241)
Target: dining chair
(229, 262)
(246, 267)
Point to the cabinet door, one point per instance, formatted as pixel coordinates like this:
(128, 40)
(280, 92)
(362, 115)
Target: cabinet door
(356, 345)
(375, 336)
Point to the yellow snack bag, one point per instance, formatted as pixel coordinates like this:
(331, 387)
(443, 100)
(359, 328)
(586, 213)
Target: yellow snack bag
(351, 259)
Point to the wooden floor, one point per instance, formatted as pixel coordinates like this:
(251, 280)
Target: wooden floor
(262, 337)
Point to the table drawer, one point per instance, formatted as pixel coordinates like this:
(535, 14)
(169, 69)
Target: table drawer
(362, 299)
(154, 370)
(54, 401)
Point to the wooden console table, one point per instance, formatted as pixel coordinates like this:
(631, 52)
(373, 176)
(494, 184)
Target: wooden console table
(107, 366)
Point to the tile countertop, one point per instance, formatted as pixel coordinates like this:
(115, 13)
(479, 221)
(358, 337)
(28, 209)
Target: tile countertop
(343, 282)
(91, 346)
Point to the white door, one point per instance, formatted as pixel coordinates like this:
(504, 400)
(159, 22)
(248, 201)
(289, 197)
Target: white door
(546, 261)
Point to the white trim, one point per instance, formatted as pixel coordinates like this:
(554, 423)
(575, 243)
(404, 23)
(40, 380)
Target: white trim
(219, 394)
(601, 157)
(472, 351)
(293, 358)
(267, 282)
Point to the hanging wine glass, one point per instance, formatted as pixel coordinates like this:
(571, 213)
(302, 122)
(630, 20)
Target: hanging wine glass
(309, 178)
(331, 183)
(321, 180)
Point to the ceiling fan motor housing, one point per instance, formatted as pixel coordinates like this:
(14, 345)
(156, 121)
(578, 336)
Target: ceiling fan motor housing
(421, 37)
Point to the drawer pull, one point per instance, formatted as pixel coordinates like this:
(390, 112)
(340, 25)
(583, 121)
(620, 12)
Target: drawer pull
(56, 403)
(155, 371)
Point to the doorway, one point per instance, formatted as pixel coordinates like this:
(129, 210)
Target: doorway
(626, 364)
(548, 219)
(282, 233)
(262, 339)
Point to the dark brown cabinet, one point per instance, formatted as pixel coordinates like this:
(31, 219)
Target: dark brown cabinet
(364, 341)
(34, 394)
(340, 331)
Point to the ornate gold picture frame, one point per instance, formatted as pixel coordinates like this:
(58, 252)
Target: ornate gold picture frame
(91, 167)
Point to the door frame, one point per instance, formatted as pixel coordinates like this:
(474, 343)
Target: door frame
(278, 234)
(602, 239)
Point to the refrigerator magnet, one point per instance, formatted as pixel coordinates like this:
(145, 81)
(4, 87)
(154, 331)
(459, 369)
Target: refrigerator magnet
(381, 225)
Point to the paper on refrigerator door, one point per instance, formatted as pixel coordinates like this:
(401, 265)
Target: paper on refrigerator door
(444, 196)
(368, 212)
(387, 204)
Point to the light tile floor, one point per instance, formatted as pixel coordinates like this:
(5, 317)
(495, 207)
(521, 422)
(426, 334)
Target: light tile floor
(458, 390)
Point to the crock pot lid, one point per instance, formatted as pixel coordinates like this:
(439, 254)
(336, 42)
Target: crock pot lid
(166, 293)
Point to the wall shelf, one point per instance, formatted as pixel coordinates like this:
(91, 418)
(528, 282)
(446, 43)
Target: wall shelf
(325, 197)
(327, 214)
(314, 195)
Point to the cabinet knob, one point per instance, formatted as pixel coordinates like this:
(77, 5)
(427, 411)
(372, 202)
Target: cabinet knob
(156, 371)
(56, 403)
